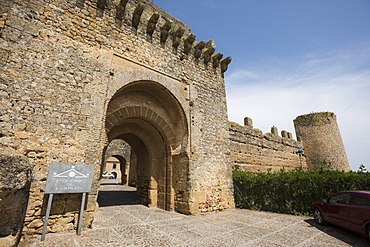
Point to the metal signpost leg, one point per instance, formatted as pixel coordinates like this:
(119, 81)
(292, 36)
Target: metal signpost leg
(46, 217)
(81, 214)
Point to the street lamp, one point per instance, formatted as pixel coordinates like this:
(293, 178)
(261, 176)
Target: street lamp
(300, 152)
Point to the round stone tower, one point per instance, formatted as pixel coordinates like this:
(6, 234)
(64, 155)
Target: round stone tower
(322, 141)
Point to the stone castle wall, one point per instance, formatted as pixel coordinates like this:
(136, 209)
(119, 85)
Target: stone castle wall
(322, 141)
(253, 151)
(76, 75)
(67, 66)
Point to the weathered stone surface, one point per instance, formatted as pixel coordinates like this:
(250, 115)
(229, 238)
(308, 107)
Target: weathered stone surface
(9, 241)
(256, 152)
(36, 223)
(15, 179)
(76, 76)
(322, 141)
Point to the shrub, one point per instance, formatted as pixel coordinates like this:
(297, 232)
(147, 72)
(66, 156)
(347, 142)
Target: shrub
(293, 192)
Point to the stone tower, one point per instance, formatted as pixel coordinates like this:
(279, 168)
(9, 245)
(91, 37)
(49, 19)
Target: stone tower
(322, 141)
(77, 75)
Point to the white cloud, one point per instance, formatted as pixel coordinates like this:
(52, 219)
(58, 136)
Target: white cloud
(336, 81)
(241, 75)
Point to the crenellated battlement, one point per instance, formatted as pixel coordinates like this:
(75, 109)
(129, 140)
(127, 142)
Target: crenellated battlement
(156, 25)
(251, 150)
(272, 135)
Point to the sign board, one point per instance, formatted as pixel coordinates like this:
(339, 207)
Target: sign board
(69, 178)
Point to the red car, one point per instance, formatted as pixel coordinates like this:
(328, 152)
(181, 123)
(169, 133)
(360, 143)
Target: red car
(346, 209)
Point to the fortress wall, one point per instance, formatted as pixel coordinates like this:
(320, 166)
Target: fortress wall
(60, 64)
(322, 141)
(256, 152)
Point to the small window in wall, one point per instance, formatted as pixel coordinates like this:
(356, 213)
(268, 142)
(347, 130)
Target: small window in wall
(114, 166)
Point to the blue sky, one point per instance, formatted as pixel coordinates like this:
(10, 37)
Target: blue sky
(291, 57)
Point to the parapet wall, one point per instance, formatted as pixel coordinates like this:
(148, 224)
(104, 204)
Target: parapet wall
(251, 150)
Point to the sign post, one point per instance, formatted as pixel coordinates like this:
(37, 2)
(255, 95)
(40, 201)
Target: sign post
(68, 178)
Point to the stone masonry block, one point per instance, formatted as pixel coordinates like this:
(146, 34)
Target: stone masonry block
(4, 54)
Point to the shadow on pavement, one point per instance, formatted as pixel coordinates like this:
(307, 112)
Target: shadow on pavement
(341, 234)
(115, 198)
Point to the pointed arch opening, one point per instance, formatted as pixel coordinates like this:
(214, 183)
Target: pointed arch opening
(149, 118)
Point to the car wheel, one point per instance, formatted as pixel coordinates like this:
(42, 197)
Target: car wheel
(368, 232)
(318, 217)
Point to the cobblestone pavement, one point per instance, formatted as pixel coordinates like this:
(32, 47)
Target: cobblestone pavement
(121, 221)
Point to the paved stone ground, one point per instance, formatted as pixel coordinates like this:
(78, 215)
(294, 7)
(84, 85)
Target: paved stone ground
(121, 221)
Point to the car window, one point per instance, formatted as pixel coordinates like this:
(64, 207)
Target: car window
(340, 198)
(360, 201)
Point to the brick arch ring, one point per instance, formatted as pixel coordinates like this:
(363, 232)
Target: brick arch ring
(119, 116)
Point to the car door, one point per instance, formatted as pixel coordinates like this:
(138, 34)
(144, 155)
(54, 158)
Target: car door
(359, 213)
(336, 209)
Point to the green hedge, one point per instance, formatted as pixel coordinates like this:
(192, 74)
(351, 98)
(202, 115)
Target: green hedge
(293, 192)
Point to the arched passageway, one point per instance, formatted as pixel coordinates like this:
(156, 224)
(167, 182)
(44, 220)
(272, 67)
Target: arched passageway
(113, 166)
(149, 118)
(116, 161)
